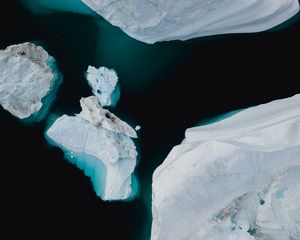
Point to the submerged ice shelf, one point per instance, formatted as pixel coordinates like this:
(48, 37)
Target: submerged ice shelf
(234, 179)
(28, 80)
(157, 20)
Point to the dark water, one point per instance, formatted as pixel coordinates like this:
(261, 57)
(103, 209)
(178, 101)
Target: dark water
(166, 88)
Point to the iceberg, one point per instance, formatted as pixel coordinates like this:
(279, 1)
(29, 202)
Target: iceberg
(234, 179)
(101, 144)
(164, 20)
(28, 80)
(103, 82)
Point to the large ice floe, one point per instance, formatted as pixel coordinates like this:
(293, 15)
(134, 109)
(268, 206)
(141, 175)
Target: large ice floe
(161, 20)
(28, 80)
(101, 144)
(237, 179)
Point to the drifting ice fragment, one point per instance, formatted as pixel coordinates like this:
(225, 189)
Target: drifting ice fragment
(103, 82)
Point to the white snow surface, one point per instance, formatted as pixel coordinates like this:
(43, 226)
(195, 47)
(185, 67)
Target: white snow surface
(25, 78)
(162, 20)
(237, 179)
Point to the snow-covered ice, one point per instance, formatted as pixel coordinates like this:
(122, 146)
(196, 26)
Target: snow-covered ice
(162, 20)
(234, 179)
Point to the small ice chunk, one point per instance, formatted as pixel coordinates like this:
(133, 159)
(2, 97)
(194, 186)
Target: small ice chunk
(103, 82)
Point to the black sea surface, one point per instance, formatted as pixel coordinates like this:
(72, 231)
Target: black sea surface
(166, 88)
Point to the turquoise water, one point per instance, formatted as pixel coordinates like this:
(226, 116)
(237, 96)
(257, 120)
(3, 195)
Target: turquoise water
(115, 96)
(218, 118)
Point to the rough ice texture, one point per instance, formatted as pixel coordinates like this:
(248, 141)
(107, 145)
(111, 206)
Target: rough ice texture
(25, 78)
(93, 112)
(236, 179)
(101, 146)
(161, 20)
(103, 82)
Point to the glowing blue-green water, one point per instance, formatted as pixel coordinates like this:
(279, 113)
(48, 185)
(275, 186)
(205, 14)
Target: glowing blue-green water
(91, 167)
(115, 96)
(218, 118)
